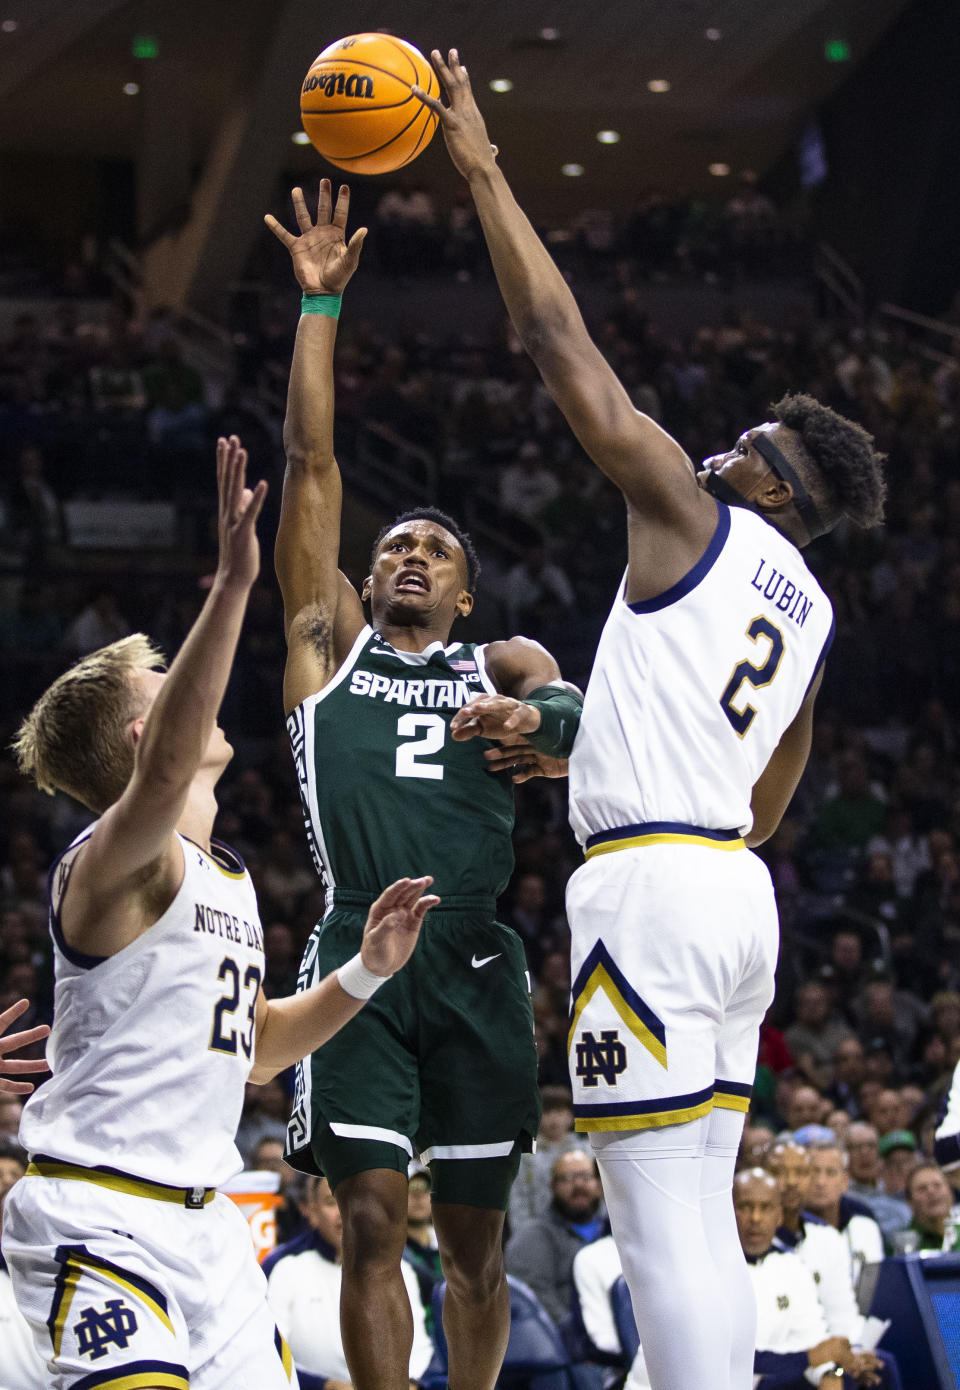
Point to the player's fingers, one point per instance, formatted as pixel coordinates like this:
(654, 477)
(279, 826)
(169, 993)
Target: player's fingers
(355, 246)
(458, 69)
(324, 197)
(279, 231)
(24, 1039)
(421, 908)
(300, 210)
(17, 1065)
(11, 1014)
(257, 501)
(342, 209)
(15, 1088)
(434, 103)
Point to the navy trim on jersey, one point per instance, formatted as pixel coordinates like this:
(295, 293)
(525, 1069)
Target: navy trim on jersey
(659, 827)
(644, 1107)
(77, 958)
(825, 652)
(693, 576)
(947, 1150)
(172, 1374)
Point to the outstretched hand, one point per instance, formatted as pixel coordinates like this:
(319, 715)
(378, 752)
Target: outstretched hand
(239, 507)
(463, 126)
(512, 753)
(393, 924)
(323, 259)
(15, 1041)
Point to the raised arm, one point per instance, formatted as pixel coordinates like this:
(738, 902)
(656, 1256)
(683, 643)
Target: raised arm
(133, 845)
(308, 539)
(649, 467)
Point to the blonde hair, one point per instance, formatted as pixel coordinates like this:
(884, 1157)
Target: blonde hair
(74, 739)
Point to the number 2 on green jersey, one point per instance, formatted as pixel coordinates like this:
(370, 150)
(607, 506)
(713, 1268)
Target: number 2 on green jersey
(410, 755)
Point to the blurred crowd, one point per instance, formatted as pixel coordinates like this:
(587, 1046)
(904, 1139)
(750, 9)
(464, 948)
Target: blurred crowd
(112, 403)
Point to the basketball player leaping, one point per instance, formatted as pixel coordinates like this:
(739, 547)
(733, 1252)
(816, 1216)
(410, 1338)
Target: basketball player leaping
(129, 1268)
(695, 732)
(380, 718)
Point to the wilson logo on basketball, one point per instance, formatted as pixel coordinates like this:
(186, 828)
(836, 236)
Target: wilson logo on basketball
(338, 84)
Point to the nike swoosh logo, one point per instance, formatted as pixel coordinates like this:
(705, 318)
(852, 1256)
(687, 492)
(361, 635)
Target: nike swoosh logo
(485, 961)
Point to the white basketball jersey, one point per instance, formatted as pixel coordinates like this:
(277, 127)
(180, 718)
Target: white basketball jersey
(151, 1047)
(692, 691)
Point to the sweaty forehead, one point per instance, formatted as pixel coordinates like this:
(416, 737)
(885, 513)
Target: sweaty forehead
(419, 530)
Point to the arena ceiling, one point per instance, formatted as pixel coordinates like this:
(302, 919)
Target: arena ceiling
(744, 76)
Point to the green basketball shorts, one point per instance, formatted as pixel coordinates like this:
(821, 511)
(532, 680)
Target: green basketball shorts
(440, 1061)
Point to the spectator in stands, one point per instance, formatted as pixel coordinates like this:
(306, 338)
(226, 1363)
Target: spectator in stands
(541, 1251)
(10, 1110)
(804, 1106)
(882, 1010)
(931, 1200)
(898, 1156)
(531, 1193)
(884, 1111)
(266, 1110)
(421, 1251)
(817, 1030)
(20, 1365)
(596, 1268)
(847, 1068)
(756, 1142)
(794, 1348)
(528, 485)
(539, 593)
(821, 1247)
(863, 1154)
(828, 1198)
(854, 813)
(98, 623)
(303, 1287)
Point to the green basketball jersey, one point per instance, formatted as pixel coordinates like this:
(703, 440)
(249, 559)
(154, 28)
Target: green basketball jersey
(386, 791)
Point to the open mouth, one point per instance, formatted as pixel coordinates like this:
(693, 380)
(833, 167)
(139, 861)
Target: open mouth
(412, 583)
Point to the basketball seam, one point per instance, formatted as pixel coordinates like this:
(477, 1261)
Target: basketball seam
(367, 153)
(400, 49)
(431, 115)
(353, 110)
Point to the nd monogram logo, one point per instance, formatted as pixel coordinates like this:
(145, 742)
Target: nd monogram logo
(606, 1058)
(98, 1331)
(783, 1302)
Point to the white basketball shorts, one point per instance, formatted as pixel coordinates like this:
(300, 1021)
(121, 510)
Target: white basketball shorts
(125, 1291)
(674, 946)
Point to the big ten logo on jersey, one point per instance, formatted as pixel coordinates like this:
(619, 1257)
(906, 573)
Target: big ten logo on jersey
(604, 1057)
(97, 1332)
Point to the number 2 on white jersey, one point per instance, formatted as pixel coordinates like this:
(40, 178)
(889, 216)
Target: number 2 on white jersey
(409, 755)
(755, 675)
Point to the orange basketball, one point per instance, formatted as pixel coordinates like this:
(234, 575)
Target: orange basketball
(357, 106)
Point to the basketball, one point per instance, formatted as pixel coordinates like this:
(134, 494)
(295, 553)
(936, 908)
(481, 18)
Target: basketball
(357, 107)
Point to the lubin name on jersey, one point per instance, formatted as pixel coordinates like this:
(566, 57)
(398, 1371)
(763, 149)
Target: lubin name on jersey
(424, 694)
(776, 586)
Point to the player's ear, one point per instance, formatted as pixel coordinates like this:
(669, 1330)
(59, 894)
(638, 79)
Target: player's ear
(464, 603)
(135, 729)
(367, 589)
(773, 494)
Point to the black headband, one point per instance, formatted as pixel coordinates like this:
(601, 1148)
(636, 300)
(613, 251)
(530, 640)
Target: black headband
(802, 500)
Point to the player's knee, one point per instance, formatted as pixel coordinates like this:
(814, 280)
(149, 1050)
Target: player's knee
(474, 1273)
(373, 1234)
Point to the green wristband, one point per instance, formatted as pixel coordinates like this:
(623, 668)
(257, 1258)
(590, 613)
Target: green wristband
(560, 709)
(326, 304)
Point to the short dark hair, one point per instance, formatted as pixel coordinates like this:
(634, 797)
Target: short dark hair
(440, 518)
(847, 464)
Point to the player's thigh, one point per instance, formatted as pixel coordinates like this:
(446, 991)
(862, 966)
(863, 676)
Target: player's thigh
(752, 992)
(478, 1061)
(101, 1305)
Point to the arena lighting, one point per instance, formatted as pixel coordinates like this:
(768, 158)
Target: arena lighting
(572, 171)
(501, 84)
(10, 26)
(300, 137)
(608, 137)
(658, 84)
(836, 51)
(714, 34)
(719, 170)
(550, 35)
(131, 88)
(144, 46)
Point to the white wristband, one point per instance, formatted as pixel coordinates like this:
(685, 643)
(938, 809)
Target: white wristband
(357, 981)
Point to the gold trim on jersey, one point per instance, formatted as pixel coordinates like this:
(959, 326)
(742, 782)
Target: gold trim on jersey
(660, 838)
(651, 1119)
(75, 1265)
(145, 1380)
(603, 976)
(121, 1182)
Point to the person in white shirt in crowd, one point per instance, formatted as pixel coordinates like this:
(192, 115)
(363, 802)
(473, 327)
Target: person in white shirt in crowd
(596, 1268)
(829, 1199)
(793, 1345)
(303, 1289)
(20, 1365)
(822, 1249)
